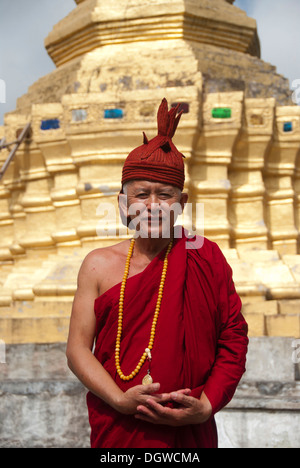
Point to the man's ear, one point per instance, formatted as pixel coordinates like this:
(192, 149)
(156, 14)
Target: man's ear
(122, 200)
(183, 200)
(123, 208)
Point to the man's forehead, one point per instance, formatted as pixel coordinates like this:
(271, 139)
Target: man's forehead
(150, 185)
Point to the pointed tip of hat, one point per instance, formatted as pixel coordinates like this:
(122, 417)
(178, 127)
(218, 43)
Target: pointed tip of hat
(167, 120)
(145, 139)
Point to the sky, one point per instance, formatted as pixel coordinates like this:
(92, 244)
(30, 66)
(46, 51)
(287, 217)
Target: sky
(24, 25)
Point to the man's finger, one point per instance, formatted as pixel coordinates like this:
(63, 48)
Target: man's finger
(151, 410)
(157, 408)
(182, 399)
(150, 388)
(185, 391)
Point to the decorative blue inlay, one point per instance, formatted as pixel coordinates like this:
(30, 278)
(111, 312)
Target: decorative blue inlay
(51, 124)
(288, 126)
(113, 113)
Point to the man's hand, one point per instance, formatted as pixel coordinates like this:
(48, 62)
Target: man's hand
(189, 410)
(129, 401)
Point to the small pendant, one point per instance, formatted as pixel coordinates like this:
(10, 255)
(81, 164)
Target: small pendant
(147, 380)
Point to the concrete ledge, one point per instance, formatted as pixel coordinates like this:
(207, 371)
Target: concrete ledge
(42, 404)
(264, 395)
(257, 429)
(49, 414)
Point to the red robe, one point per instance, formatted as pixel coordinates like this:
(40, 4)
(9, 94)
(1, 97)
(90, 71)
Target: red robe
(200, 343)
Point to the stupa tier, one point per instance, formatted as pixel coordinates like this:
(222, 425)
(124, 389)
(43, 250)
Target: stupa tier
(240, 134)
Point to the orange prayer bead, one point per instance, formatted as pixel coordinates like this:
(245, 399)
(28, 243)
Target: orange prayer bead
(155, 317)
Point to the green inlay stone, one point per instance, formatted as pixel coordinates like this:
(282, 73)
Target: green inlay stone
(221, 113)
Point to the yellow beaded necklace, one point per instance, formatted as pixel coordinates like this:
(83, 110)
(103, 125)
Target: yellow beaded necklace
(147, 379)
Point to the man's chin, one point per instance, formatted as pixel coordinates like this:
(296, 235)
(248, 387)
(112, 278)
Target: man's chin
(148, 231)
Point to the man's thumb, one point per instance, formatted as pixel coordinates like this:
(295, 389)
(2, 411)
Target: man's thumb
(153, 387)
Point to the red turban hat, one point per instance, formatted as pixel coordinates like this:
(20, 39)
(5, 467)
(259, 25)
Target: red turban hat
(158, 160)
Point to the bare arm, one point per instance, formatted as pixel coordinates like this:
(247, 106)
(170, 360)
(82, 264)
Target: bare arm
(81, 360)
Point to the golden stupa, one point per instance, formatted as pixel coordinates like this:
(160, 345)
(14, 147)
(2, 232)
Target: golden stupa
(240, 134)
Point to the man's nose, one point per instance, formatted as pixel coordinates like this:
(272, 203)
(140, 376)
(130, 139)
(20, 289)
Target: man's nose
(152, 202)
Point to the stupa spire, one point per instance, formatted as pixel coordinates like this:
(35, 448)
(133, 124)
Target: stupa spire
(94, 24)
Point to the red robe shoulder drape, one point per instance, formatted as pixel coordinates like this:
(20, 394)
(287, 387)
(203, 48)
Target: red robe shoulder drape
(200, 343)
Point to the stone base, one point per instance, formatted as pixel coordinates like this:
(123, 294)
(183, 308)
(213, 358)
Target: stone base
(258, 429)
(48, 414)
(264, 412)
(43, 405)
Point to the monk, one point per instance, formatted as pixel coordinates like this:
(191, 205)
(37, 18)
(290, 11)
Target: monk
(156, 332)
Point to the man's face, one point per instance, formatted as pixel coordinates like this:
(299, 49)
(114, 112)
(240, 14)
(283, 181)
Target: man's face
(153, 207)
